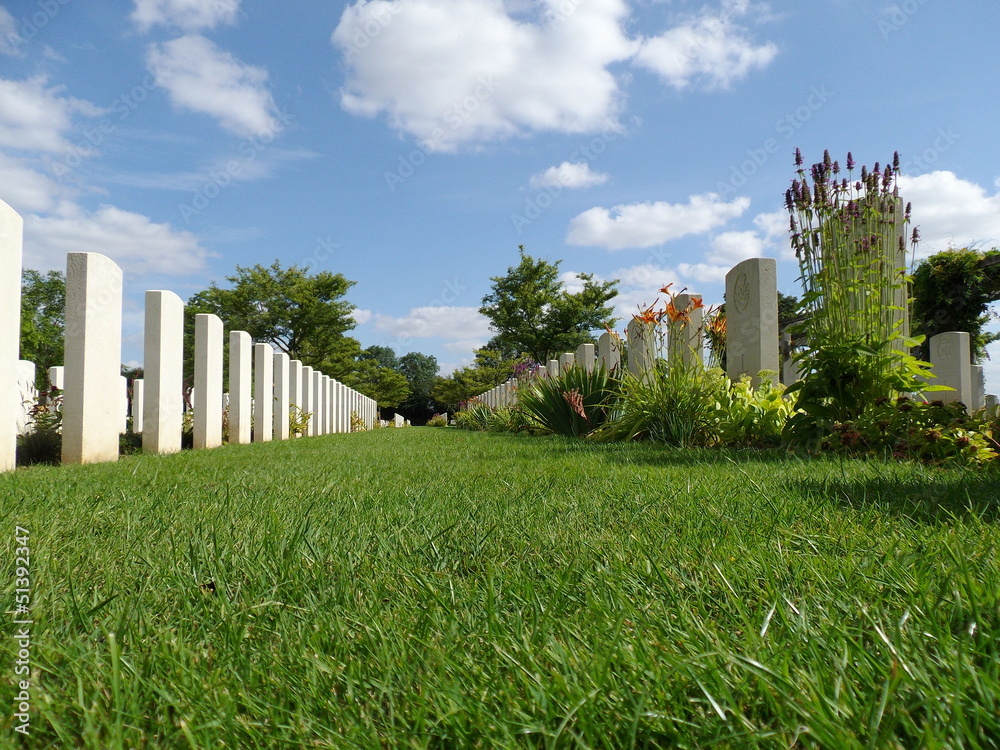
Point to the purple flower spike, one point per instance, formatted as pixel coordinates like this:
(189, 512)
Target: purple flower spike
(850, 160)
(895, 161)
(798, 157)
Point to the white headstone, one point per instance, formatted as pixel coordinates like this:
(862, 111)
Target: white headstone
(295, 392)
(316, 423)
(608, 354)
(93, 356)
(138, 397)
(566, 360)
(208, 364)
(308, 405)
(240, 387)
(978, 376)
(553, 368)
(10, 332)
(263, 392)
(282, 395)
(27, 394)
(163, 373)
(641, 347)
(586, 356)
(752, 319)
(123, 408)
(57, 377)
(952, 362)
(686, 334)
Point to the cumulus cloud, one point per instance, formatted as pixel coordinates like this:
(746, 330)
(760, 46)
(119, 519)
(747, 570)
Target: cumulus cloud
(568, 175)
(24, 189)
(710, 51)
(35, 116)
(134, 242)
(450, 72)
(462, 328)
(189, 15)
(648, 224)
(950, 211)
(203, 78)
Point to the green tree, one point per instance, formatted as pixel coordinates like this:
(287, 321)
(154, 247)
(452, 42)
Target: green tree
(388, 387)
(489, 369)
(952, 291)
(531, 311)
(304, 315)
(384, 355)
(420, 371)
(43, 322)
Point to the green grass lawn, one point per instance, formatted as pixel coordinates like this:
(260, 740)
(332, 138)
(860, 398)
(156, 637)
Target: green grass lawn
(445, 589)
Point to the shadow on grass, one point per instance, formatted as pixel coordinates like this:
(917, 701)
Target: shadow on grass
(928, 498)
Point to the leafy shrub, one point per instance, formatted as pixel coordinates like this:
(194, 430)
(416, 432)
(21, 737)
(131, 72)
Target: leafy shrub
(130, 443)
(357, 423)
(932, 432)
(438, 420)
(39, 447)
(298, 420)
(574, 403)
(745, 415)
(672, 405)
(508, 419)
(475, 416)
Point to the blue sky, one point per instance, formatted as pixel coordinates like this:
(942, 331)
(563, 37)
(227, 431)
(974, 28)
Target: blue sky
(412, 145)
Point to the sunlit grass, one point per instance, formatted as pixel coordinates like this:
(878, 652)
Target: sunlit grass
(448, 589)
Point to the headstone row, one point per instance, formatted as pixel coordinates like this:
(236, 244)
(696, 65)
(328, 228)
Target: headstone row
(264, 385)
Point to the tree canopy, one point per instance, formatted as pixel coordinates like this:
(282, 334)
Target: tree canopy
(43, 309)
(531, 311)
(304, 315)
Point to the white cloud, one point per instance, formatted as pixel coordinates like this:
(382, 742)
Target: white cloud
(133, 241)
(24, 189)
(35, 116)
(189, 15)
(711, 51)
(361, 316)
(950, 211)
(451, 72)
(10, 40)
(568, 175)
(203, 78)
(647, 224)
(463, 328)
(729, 248)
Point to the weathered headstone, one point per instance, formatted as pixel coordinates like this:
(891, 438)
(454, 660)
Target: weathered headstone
(316, 423)
(685, 335)
(208, 363)
(553, 368)
(641, 347)
(752, 319)
(295, 384)
(93, 355)
(57, 377)
(608, 354)
(585, 355)
(566, 361)
(308, 404)
(951, 358)
(138, 399)
(978, 376)
(240, 387)
(282, 395)
(11, 227)
(263, 392)
(123, 406)
(163, 373)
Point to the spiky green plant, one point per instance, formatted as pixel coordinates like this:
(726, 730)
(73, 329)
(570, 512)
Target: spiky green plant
(574, 403)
